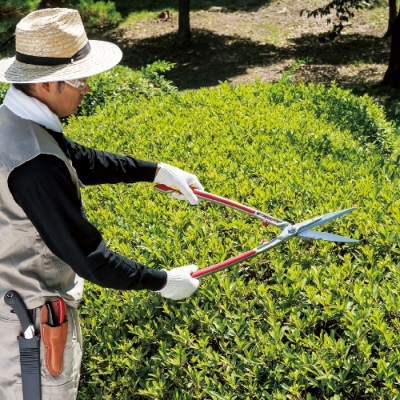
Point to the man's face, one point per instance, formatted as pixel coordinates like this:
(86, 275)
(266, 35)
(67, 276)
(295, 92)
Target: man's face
(64, 100)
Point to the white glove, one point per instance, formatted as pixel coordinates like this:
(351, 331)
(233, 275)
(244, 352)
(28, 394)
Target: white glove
(179, 283)
(180, 180)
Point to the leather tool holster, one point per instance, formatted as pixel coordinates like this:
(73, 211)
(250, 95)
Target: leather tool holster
(54, 339)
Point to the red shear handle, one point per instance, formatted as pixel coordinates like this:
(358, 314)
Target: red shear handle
(61, 311)
(211, 197)
(223, 264)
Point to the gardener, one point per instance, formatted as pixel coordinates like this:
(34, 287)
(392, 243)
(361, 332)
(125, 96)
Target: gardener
(47, 246)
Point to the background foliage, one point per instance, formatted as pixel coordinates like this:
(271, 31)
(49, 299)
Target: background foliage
(344, 10)
(313, 320)
(11, 11)
(98, 15)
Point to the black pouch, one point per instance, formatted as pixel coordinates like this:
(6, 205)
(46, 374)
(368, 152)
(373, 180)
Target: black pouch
(29, 350)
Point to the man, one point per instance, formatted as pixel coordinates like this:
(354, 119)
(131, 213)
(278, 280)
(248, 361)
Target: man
(47, 246)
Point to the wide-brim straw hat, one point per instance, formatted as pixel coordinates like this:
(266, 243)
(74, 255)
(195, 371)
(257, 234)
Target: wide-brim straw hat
(51, 45)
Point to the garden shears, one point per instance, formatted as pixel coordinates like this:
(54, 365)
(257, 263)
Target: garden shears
(301, 229)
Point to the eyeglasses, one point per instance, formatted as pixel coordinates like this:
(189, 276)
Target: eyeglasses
(79, 84)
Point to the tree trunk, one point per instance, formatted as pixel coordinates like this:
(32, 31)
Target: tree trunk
(392, 17)
(392, 75)
(184, 34)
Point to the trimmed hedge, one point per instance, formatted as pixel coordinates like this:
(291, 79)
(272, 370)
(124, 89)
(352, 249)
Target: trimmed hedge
(122, 81)
(307, 320)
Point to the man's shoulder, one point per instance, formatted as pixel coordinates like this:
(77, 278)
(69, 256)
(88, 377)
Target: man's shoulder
(42, 167)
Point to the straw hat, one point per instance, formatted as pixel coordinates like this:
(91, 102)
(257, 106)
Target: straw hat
(51, 45)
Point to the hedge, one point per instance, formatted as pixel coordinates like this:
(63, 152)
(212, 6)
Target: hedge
(307, 320)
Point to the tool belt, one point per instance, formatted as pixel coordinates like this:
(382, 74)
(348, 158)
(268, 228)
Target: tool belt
(53, 331)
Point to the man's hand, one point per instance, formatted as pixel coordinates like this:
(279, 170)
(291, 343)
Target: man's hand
(180, 180)
(179, 283)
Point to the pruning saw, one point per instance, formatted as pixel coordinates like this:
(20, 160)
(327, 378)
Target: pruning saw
(301, 229)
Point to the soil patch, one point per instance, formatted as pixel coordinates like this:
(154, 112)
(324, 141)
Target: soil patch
(242, 46)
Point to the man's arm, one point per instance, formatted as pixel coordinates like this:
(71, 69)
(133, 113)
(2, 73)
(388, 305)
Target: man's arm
(97, 167)
(44, 190)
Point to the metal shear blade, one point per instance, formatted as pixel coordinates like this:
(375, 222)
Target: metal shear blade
(311, 223)
(310, 234)
(304, 228)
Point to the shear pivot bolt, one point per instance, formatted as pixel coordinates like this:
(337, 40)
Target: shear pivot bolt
(292, 230)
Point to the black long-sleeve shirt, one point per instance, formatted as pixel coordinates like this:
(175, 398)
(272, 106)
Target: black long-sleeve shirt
(43, 188)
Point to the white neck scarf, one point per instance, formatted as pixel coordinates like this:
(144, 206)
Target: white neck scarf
(27, 107)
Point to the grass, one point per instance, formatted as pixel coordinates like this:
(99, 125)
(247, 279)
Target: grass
(132, 19)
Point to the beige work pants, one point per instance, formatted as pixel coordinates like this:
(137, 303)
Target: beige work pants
(63, 387)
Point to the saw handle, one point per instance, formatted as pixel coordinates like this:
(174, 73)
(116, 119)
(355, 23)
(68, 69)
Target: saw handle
(14, 300)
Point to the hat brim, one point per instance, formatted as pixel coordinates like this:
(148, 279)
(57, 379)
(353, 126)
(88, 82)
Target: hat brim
(102, 57)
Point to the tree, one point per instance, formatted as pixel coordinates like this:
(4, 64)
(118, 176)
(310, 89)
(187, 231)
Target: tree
(345, 9)
(392, 16)
(392, 74)
(184, 33)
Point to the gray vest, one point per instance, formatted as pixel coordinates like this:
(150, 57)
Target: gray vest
(26, 264)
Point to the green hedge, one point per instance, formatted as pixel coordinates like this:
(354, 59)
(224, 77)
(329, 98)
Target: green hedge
(307, 320)
(123, 82)
(340, 107)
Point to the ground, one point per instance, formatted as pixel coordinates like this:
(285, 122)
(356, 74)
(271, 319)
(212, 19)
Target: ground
(261, 42)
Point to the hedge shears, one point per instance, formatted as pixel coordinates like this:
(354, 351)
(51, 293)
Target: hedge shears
(301, 229)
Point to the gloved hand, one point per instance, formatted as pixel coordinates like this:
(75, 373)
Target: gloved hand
(179, 283)
(179, 180)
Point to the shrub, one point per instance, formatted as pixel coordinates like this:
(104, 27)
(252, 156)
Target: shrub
(360, 115)
(98, 15)
(11, 11)
(3, 90)
(307, 320)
